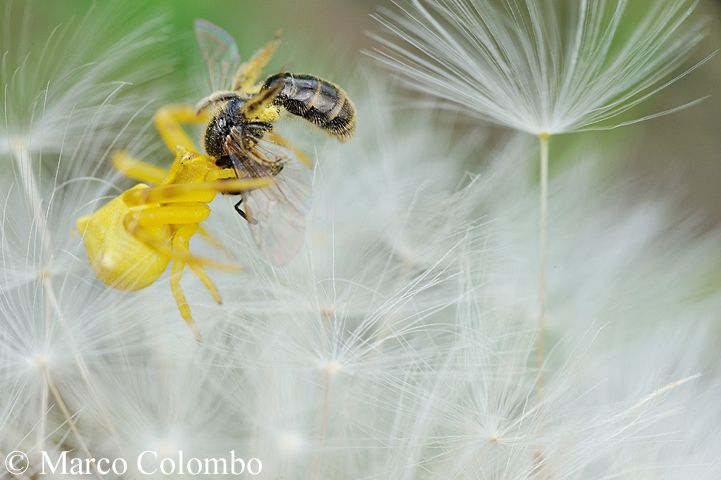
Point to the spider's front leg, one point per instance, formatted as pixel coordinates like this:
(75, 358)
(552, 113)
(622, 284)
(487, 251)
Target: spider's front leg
(136, 169)
(181, 208)
(215, 97)
(169, 121)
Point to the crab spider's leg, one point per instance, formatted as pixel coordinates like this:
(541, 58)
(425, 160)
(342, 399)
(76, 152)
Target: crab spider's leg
(181, 240)
(168, 194)
(174, 214)
(168, 121)
(214, 242)
(215, 97)
(280, 140)
(200, 272)
(180, 196)
(247, 74)
(181, 301)
(178, 214)
(221, 174)
(137, 169)
(191, 192)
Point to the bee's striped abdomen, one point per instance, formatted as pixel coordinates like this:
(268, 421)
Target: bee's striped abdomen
(318, 101)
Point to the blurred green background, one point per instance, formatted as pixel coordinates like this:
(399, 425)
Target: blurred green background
(334, 27)
(680, 152)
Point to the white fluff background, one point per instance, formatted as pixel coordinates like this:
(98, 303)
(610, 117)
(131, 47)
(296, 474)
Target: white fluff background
(400, 342)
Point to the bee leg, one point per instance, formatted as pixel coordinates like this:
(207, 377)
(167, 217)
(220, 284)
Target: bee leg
(263, 160)
(221, 174)
(280, 140)
(247, 74)
(240, 211)
(261, 108)
(136, 169)
(245, 214)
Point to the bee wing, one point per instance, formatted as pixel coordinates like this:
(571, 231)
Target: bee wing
(220, 53)
(276, 213)
(277, 225)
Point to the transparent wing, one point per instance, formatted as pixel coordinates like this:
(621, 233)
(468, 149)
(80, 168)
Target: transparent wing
(276, 223)
(296, 175)
(276, 214)
(220, 54)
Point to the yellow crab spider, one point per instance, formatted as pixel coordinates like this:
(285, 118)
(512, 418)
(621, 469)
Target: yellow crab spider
(131, 240)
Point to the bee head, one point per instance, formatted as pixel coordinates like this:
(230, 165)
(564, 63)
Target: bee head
(227, 117)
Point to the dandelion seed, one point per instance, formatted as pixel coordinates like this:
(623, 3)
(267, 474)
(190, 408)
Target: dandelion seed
(542, 68)
(290, 443)
(59, 97)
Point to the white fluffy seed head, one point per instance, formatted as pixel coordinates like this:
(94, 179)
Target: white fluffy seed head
(539, 67)
(82, 86)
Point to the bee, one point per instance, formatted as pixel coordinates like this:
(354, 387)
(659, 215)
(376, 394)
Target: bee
(240, 134)
(131, 240)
